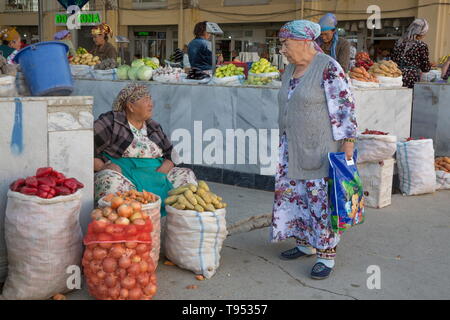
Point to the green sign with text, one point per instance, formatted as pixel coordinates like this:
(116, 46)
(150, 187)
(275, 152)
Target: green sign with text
(85, 18)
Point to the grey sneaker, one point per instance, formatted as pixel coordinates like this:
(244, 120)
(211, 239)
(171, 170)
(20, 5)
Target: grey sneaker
(294, 253)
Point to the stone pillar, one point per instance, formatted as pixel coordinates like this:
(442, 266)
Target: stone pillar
(112, 19)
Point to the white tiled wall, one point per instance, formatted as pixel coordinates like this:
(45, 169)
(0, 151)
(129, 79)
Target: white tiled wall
(57, 132)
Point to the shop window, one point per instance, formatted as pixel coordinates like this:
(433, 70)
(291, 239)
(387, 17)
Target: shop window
(21, 5)
(244, 2)
(141, 4)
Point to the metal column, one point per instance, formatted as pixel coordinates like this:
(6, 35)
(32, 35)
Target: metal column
(41, 20)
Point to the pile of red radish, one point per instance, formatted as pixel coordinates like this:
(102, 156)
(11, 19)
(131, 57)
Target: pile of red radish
(375, 132)
(47, 184)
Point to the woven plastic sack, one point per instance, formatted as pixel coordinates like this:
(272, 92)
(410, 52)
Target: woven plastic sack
(7, 86)
(415, 162)
(345, 192)
(433, 75)
(117, 263)
(374, 147)
(262, 78)
(110, 74)
(154, 212)
(193, 240)
(21, 85)
(361, 84)
(43, 238)
(377, 181)
(81, 71)
(442, 180)
(169, 78)
(389, 82)
(229, 81)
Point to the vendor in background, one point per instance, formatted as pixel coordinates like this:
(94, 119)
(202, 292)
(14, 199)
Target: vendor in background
(234, 55)
(265, 55)
(66, 37)
(103, 49)
(411, 53)
(199, 49)
(11, 44)
(316, 116)
(131, 150)
(330, 42)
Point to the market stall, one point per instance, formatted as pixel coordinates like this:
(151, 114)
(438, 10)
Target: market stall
(179, 106)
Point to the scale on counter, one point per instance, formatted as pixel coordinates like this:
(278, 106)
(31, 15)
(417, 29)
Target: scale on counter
(214, 29)
(121, 40)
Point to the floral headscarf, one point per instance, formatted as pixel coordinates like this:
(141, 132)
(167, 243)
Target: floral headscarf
(302, 30)
(130, 94)
(101, 29)
(418, 27)
(9, 34)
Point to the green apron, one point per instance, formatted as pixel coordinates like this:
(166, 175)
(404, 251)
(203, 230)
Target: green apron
(142, 172)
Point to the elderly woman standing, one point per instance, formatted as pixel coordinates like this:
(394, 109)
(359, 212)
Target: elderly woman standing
(411, 53)
(132, 151)
(330, 42)
(316, 116)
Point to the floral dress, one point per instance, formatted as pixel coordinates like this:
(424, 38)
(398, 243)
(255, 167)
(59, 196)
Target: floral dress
(10, 59)
(414, 61)
(301, 206)
(110, 181)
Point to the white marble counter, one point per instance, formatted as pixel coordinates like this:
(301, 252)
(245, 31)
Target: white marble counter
(388, 110)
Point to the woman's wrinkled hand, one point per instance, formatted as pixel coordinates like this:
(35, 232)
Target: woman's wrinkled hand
(348, 148)
(166, 166)
(112, 166)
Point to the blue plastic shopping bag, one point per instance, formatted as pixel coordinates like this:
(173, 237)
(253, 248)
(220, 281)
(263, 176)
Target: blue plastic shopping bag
(346, 197)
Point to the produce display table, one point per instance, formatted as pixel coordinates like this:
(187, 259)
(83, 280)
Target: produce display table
(41, 132)
(185, 106)
(431, 115)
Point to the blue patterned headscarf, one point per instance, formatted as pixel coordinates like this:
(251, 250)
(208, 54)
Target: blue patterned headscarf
(303, 30)
(329, 22)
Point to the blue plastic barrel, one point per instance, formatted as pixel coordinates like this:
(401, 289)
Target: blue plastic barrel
(46, 68)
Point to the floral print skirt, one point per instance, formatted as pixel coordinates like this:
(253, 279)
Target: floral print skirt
(109, 181)
(300, 208)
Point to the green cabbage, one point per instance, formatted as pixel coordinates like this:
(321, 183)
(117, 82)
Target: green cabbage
(132, 73)
(122, 72)
(137, 63)
(155, 61)
(144, 73)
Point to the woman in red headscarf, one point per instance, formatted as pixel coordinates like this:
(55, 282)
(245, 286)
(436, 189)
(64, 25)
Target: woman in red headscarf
(103, 49)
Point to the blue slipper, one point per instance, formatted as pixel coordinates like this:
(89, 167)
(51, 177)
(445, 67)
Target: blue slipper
(320, 271)
(294, 253)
